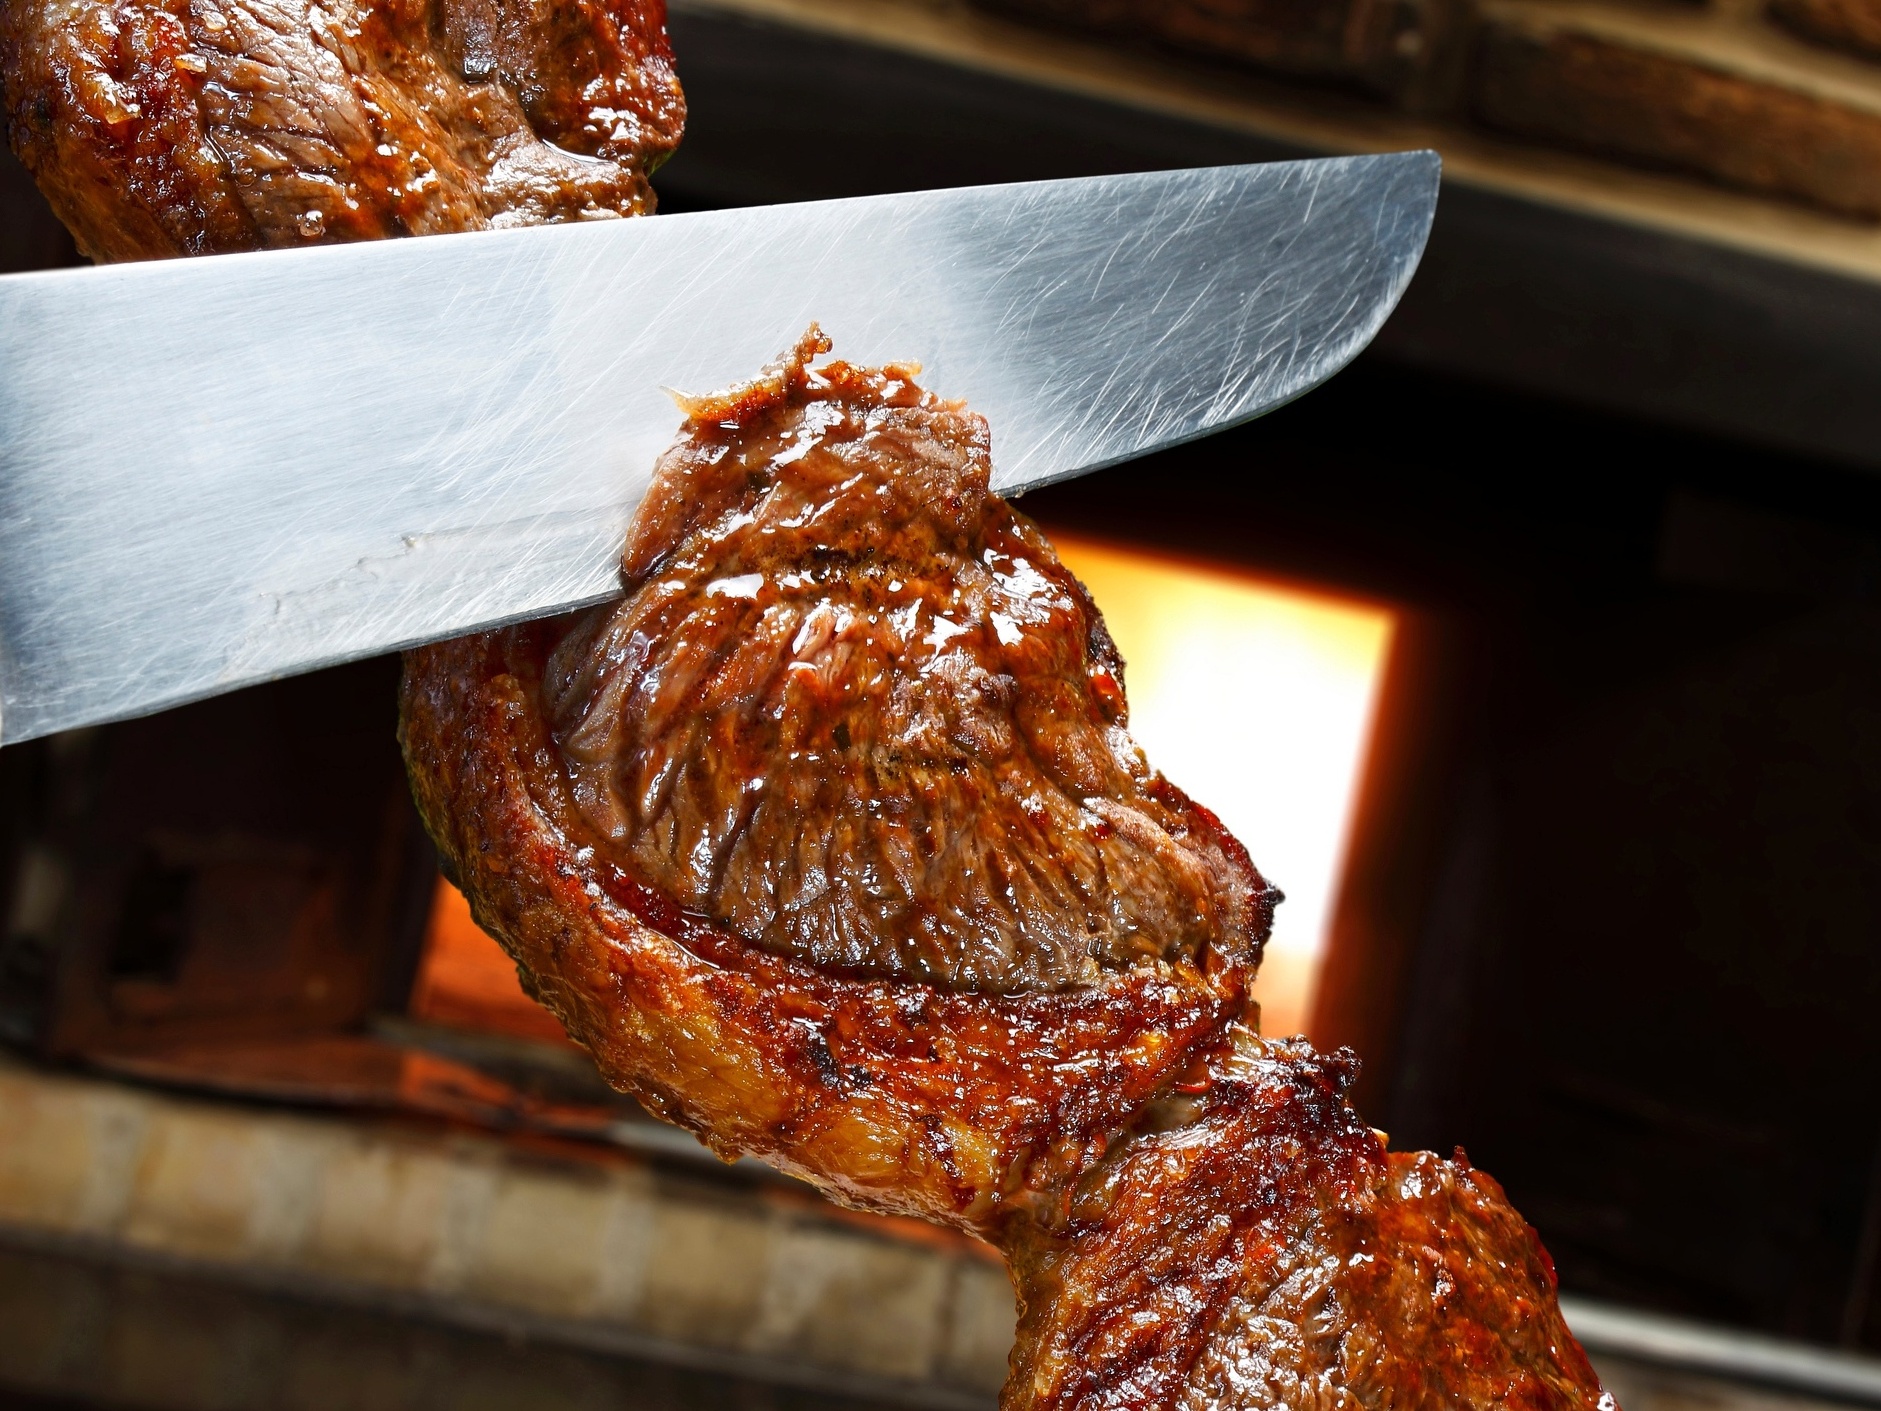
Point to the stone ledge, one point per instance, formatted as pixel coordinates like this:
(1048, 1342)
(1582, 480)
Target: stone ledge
(589, 1248)
(83, 1332)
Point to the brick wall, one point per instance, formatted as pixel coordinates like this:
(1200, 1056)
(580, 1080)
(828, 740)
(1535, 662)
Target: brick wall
(1777, 97)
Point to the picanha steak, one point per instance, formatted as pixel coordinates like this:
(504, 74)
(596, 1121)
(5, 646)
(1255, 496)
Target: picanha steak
(830, 842)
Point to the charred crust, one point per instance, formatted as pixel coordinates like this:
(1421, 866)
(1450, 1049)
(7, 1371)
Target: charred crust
(1193, 1216)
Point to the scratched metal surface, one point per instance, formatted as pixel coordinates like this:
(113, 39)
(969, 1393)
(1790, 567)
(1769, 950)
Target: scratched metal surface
(215, 472)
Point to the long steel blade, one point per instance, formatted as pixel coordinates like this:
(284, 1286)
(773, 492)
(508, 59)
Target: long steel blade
(215, 472)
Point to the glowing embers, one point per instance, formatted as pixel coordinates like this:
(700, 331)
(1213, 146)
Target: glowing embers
(1258, 699)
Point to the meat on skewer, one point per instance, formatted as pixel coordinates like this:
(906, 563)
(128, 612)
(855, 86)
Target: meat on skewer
(829, 839)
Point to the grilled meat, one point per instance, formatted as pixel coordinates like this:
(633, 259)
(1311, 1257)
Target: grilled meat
(830, 841)
(855, 711)
(1254, 1245)
(183, 127)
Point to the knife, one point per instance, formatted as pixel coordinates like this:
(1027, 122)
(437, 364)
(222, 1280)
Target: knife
(221, 471)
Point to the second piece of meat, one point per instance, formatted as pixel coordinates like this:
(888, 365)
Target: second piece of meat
(190, 127)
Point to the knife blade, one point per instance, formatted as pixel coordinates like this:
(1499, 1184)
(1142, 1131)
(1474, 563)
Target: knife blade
(221, 471)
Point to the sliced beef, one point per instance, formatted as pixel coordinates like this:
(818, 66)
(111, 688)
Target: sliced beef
(853, 709)
(828, 838)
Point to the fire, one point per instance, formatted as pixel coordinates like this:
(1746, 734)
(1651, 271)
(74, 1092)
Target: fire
(1257, 698)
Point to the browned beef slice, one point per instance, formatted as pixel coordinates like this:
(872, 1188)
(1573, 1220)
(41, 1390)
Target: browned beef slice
(164, 127)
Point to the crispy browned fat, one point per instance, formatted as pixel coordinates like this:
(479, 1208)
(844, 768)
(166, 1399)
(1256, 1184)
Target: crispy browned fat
(184, 127)
(829, 838)
(830, 841)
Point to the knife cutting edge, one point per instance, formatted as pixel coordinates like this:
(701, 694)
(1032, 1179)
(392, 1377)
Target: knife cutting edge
(220, 471)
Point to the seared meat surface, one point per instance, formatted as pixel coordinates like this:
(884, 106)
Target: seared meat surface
(854, 710)
(183, 127)
(813, 867)
(1254, 1245)
(830, 842)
